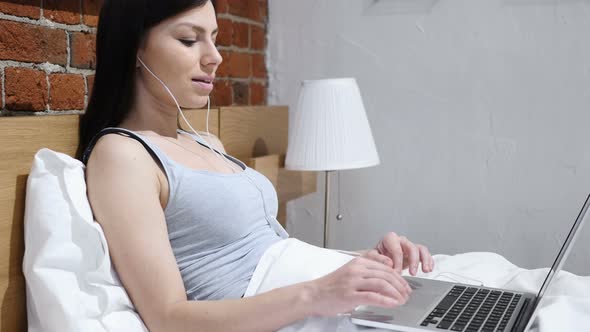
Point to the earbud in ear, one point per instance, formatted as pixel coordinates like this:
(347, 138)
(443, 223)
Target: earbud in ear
(139, 62)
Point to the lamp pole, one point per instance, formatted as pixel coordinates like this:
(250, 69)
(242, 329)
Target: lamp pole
(326, 207)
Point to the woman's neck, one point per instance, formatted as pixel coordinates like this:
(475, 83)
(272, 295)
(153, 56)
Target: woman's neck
(148, 114)
(151, 120)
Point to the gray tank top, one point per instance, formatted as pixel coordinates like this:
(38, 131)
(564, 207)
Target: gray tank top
(219, 225)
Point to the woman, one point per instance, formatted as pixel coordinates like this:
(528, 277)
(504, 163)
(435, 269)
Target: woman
(186, 226)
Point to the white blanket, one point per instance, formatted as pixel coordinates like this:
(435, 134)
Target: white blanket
(565, 307)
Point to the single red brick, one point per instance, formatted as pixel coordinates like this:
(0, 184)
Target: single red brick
(83, 50)
(255, 8)
(24, 8)
(241, 34)
(91, 11)
(89, 87)
(226, 32)
(257, 38)
(62, 11)
(240, 65)
(31, 43)
(221, 6)
(1, 90)
(263, 10)
(258, 66)
(241, 93)
(238, 7)
(26, 89)
(257, 94)
(223, 69)
(66, 92)
(222, 93)
(89, 84)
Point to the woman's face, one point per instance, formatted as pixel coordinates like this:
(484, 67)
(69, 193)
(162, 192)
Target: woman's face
(181, 51)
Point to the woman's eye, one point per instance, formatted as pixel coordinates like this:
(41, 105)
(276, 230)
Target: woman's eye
(187, 42)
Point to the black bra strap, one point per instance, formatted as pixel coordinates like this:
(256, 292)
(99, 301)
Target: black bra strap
(111, 130)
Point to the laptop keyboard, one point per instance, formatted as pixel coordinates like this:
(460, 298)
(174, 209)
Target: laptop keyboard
(473, 309)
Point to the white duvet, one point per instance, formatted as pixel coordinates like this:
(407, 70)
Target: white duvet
(566, 305)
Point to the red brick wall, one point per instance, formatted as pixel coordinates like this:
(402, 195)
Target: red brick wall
(47, 55)
(242, 42)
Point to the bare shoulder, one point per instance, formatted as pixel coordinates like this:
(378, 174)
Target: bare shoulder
(122, 159)
(113, 151)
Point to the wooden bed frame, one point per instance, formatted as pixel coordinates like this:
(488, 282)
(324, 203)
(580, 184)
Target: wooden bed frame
(255, 135)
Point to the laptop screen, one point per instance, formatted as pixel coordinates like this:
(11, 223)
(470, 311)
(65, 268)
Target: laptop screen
(563, 253)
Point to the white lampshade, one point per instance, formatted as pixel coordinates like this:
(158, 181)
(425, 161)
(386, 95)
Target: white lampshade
(329, 129)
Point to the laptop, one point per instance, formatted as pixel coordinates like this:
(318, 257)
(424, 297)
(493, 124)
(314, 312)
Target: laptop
(446, 306)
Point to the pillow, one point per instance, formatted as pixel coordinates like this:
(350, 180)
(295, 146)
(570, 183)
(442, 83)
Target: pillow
(70, 283)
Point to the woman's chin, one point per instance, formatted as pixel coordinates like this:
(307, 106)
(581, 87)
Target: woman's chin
(198, 102)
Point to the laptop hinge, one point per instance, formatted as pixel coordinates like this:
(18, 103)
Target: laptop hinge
(523, 316)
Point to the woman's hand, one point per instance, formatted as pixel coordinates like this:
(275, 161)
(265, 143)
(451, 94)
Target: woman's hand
(361, 281)
(400, 253)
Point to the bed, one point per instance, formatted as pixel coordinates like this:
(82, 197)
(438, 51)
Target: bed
(256, 135)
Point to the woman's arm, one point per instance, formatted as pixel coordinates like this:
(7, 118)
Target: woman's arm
(265, 312)
(124, 189)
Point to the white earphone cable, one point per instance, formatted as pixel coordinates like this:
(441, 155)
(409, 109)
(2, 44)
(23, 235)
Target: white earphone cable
(220, 155)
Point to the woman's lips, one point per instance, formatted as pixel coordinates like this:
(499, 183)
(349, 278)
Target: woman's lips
(206, 86)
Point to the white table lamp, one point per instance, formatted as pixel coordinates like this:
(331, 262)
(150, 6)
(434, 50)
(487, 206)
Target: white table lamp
(329, 131)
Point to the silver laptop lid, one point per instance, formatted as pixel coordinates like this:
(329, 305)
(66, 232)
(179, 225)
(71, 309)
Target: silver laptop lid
(561, 256)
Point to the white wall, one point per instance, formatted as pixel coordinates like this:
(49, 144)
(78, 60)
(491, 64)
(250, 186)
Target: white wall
(480, 111)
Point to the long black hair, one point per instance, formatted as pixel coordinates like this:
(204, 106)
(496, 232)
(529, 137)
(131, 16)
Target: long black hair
(121, 27)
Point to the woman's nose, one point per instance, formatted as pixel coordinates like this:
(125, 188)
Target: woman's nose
(211, 57)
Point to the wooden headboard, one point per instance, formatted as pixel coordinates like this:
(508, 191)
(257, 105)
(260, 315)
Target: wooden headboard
(256, 135)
